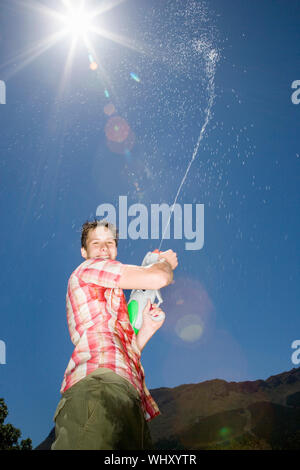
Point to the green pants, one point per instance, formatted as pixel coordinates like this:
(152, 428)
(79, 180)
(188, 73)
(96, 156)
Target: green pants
(101, 412)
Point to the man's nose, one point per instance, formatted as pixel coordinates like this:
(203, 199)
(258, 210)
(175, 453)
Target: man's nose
(103, 246)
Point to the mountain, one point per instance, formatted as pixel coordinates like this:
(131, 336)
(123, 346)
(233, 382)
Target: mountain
(215, 414)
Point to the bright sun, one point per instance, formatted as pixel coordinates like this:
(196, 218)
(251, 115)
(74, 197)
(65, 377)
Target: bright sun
(77, 21)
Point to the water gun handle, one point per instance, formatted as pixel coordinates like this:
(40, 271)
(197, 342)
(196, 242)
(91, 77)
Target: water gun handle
(139, 297)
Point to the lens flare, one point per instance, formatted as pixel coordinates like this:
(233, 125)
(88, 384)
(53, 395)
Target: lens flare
(192, 310)
(117, 129)
(224, 432)
(122, 148)
(135, 77)
(189, 328)
(93, 66)
(109, 109)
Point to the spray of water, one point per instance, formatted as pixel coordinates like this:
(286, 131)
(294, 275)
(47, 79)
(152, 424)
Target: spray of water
(211, 57)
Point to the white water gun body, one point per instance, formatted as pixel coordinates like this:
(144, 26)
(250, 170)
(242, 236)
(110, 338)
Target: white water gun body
(139, 297)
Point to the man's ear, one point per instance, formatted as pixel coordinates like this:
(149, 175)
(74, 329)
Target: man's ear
(83, 252)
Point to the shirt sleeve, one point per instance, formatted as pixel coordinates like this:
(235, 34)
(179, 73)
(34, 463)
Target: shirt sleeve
(105, 273)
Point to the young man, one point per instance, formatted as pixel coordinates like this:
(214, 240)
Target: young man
(105, 403)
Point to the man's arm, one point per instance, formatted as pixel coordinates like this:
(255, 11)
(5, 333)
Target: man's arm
(149, 326)
(155, 276)
(143, 337)
(144, 277)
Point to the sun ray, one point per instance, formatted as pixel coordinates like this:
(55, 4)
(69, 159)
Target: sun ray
(32, 53)
(33, 5)
(67, 68)
(122, 40)
(106, 7)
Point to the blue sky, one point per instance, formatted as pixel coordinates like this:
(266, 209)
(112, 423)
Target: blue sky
(233, 311)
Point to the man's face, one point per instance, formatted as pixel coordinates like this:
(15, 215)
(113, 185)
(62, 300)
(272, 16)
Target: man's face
(100, 244)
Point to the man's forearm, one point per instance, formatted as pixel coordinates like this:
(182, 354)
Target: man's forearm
(143, 337)
(163, 266)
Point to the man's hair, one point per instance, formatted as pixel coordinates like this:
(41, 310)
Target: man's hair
(87, 226)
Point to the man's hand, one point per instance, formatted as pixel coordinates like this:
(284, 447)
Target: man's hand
(150, 312)
(169, 256)
(149, 326)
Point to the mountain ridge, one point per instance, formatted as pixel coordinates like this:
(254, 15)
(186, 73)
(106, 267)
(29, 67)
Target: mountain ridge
(218, 414)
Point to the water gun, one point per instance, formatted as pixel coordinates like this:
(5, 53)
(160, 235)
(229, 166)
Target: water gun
(139, 297)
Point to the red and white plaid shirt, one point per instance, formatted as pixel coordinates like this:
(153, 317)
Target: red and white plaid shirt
(100, 329)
